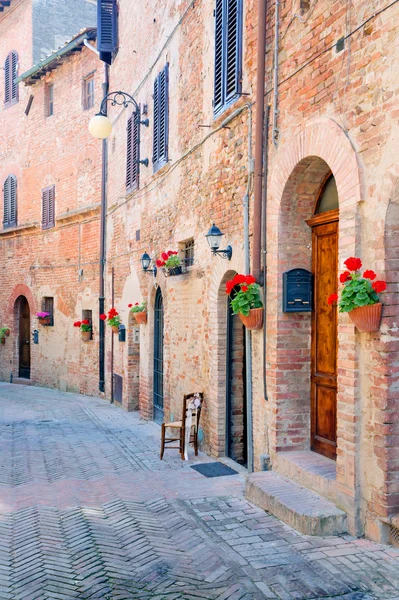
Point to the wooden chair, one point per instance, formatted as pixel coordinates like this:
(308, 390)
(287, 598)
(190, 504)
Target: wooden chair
(181, 425)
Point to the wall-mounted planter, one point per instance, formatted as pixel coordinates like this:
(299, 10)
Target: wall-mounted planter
(140, 317)
(367, 318)
(45, 322)
(173, 272)
(115, 328)
(86, 336)
(254, 320)
(3, 340)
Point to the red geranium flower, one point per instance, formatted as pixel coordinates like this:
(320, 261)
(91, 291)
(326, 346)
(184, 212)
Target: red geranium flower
(136, 304)
(250, 279)
(353, 264)
(165, 255)
(244, 288)
(379, 286)
(129, 305)
(369, 275)
(170, 252)
(77, 324)
(85, 322)
(103, 317)
(345, 276)
(160, 263)
(331, 299)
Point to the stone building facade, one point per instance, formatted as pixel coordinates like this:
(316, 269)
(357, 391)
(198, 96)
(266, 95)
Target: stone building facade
(325, 400)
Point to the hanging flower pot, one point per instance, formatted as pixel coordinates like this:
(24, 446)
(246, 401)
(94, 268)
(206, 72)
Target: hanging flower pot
(3, 340)
(254, 320)
(139, 312)
(44, 318)
(85, 329)
(115, 328)
(367, 318)
(359, 296)
(245, 300)
(7, 332)
(86, 336)
(113, 319)
(170, 263)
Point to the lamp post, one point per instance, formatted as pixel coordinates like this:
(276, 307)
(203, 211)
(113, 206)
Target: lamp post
(100, 127)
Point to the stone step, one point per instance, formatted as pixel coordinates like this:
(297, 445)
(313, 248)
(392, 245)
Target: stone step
(295, 505)
(22, 381)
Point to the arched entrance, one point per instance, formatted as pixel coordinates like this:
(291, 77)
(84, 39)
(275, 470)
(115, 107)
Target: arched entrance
(236, 409)
(158, 394)
(23, 313)
(324, 344)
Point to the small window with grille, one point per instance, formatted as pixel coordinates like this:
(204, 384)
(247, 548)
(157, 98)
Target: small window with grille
(87, 315)
(189, 252)
(88, 92)
(48, 307)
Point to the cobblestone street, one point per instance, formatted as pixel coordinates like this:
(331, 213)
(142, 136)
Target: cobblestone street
(89, 511)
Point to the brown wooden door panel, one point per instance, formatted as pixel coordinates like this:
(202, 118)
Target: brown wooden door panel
(324, 339)
(24, 339)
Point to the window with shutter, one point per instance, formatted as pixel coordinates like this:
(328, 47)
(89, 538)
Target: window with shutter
(228, 52)
(10, 74)
(161, 117)
(10, 201)
(132, 152)
(48, 207)
(107, 29)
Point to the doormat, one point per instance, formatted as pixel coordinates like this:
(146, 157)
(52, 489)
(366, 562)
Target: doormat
(214, 469)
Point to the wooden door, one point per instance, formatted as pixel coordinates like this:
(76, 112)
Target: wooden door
(324, 335)
(24, 339)
(158, 358)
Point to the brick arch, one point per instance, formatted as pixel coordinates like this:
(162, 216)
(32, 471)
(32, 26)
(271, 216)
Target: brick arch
(10, 169)
(215, 411)
(21, 290)
(300, 166)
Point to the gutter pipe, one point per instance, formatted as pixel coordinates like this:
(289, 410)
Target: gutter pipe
(264, 244)
(259, 117)
(103, 210)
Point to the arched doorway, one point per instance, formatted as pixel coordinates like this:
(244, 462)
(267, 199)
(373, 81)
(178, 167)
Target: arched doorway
(23, 312)
(236, 408)
(324, 343)
(158, 397)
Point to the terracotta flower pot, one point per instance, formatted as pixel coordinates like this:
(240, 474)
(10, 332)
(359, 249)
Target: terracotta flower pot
(7, 332)
(254, 320)
(45, 321)
(115, 328)
(3, 340)
(367, 318)
(141, 318)
(86, 336)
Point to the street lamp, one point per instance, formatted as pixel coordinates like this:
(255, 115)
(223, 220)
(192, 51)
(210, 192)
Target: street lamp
(146, 261)
(100, 126)
(214, 238)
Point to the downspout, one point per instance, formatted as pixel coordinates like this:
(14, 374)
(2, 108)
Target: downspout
(259, 117)
(275, 72)
(103, 217)
(247, 268)
(264, 244)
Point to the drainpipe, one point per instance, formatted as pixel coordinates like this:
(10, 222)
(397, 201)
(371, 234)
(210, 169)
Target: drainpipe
(103, 212)
(247, 269)
(264, 244)
(275, 72)
(259, 116)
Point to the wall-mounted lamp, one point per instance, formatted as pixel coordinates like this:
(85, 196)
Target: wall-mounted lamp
(146, 262)
(214, 237)
(100, 126)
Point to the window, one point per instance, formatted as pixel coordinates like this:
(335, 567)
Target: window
(132, 152)
(107, 29)
(48, 207)
(49, 99)
(228, 34)
(161, 114)
(88, 315)
(48, 306)
(10, 201)
(328, 199)
(189, 253)
(88, 92)
(10, 74)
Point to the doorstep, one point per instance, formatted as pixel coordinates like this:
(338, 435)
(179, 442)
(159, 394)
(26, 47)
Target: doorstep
(312, 470)
(297, 506)
(21, 381)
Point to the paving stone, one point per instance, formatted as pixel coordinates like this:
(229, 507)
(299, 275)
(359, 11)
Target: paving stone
(90, 512)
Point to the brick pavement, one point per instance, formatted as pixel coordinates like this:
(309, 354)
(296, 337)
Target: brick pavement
(87, 510)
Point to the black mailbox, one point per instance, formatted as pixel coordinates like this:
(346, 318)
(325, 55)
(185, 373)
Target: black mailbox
(122, 333)
(297, 291)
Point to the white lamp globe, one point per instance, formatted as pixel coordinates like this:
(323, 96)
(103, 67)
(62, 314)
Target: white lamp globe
(100, 127)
